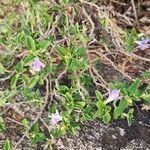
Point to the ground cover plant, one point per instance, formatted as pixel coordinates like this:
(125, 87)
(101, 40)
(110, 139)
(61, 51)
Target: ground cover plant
(66, 62)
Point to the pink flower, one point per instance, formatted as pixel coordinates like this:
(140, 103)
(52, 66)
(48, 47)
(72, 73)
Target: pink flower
(55, 118)
(144, 44)
(37, 65)
(113, 96)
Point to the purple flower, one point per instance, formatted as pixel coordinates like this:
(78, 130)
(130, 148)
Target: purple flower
(37, 65)
(113, 96)
(144, 44)
(55, 118)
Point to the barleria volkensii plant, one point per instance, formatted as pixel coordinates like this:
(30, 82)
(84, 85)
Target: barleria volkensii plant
(55, 59)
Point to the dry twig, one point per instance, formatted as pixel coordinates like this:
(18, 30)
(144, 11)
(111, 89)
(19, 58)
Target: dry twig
(135, 13)
(103, 57)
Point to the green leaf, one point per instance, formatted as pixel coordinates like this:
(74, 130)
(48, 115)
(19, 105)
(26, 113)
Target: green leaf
(2, 124)
(30, 43)
(29, 58)
(100, 105)
(35, 128)
(69, 97)
(39, 137)
(58, 132)
(82, 38)
(32, 82)
(63, 89)
(7, 145)
(80, 51)
(99, 95)
(146, 74)
(120, 109)
(44, 45)
(19, 67)
(62, 51)
(146, 98)
(134, 86)
(88, 113)
(2, 69)
(74, 65)
(3, 102)
(102, 108)
(131, 39)
(106, 118)
(104, 21)
(130, 116)
(74, 127)
(25, 123)
(21, 37)
(7, 95)
(79, 105)
(14, 81)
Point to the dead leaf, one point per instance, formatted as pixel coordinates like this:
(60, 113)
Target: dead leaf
(145, 107)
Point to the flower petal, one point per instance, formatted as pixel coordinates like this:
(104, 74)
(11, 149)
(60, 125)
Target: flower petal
(143, 44)
(113, 96)
(114, 93)
(55, 118)
(37, 65)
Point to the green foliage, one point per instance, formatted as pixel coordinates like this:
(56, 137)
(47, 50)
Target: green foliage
(6, 97)
(120, 109)
(25, 123)
(43, 45)
(14, 81)
(32, 82)
(131, 38)
(130, 116)
(30, 43)
(49, 34)
(125, 107)
(104, 21)
(134, 86)
(103, 112)
(7, 145)
(2, 69)
(146, 74)
(146, 98)
(88, 113)
(99, 95)
(36, 134)
(2, 124)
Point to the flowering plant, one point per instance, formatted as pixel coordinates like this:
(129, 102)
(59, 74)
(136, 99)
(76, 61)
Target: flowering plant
(144, 44)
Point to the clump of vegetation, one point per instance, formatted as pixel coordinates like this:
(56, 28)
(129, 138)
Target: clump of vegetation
(51, 53)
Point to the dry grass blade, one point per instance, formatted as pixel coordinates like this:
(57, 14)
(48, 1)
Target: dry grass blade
(135, 13)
